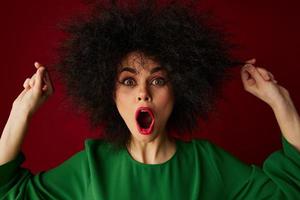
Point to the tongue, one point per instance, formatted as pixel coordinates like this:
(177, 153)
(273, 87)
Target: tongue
(144, 120)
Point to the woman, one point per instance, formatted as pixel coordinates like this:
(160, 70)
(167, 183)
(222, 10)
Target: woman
(146, 72)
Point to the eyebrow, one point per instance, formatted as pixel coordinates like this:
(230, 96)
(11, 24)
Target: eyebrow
(133, 70)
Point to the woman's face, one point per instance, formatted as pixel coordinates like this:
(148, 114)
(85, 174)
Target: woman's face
(143, 96)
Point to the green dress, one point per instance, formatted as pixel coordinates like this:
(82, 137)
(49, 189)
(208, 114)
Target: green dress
(198, 170)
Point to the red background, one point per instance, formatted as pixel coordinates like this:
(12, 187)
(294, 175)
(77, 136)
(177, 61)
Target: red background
(244, 125)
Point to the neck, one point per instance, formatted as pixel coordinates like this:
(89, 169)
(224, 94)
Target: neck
(156, 151)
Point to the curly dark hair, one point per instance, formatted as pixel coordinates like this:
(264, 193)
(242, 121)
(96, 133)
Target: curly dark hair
(195, 53)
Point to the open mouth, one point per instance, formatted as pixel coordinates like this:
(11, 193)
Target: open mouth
(145, 120)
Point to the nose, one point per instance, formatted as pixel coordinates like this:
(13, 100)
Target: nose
(143, 94)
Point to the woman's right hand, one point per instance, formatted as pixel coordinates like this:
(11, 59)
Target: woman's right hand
(37, 90)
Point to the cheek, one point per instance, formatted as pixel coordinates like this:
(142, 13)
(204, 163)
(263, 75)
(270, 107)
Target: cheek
(165, 100)
(123, 100)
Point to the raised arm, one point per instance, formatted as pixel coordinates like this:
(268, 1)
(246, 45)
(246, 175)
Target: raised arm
(68, 181)
(279, 177)
(261, 83)
(36, 91)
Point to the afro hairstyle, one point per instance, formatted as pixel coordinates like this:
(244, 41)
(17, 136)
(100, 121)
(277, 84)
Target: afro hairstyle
(195, 53)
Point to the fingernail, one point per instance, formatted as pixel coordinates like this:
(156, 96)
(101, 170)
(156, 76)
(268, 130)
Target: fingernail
(44, 88)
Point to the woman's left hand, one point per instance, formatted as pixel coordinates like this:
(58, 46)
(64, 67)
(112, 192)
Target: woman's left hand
(261, 83)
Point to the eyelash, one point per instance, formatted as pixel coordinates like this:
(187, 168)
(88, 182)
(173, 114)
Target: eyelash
(159, 78)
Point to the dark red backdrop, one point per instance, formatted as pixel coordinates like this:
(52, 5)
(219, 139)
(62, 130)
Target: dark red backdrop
(245, 126)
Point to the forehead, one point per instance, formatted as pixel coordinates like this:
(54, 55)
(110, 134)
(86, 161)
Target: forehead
(138, 61)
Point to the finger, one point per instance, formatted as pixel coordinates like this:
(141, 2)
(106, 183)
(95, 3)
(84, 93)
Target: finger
(251, 61)
(273, 78)
(264, 73)
(49, 83)
(245, 75)
(26, 83)
(38, 80)
(32, 80)
(247, 79)
(271, 75)
(254, 73)
(45, 88)
(37, 65)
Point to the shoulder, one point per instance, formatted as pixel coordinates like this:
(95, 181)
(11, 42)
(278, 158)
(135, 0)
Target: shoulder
(100, 149)
(214, 154)
(94, 143)
(97, 146)
(203, 148)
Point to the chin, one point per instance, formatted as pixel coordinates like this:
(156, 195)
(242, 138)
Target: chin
(137, 136)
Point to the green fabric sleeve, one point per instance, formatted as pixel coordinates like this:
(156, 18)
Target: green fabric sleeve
(67, 181)
(8, 170)
(283, 169)
(278, 179)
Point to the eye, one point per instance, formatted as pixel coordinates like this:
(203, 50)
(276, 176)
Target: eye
(128, 82)
(158, 81)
